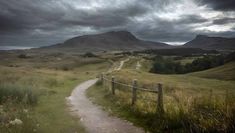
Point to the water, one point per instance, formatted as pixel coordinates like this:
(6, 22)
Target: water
(14, 47)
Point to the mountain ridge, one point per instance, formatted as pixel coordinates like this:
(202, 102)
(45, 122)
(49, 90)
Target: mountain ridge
(126, 41)
(109, 41)
(212, 43)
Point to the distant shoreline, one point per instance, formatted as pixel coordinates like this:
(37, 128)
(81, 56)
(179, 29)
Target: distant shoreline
(14, 48)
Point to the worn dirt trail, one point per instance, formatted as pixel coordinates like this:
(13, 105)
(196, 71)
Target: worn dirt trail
(121, 64)
(93, 117)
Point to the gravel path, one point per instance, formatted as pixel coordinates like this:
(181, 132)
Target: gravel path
(138, 65)
(121, 64)
(93, 117)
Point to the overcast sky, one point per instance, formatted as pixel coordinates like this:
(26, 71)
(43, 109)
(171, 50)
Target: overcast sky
(47, 22)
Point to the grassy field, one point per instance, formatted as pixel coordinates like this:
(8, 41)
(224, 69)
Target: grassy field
(225, 72)
(191, 102)
(48, 79)
(34, 88)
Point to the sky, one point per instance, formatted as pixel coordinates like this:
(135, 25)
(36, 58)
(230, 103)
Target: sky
(35, 23)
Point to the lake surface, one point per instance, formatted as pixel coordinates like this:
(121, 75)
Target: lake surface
(14, 47)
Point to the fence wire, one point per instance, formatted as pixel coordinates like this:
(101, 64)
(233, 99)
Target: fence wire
(128, 88)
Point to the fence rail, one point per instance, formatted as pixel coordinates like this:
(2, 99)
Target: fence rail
(134, 88)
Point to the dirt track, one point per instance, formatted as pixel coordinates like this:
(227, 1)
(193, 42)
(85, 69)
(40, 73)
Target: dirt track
(93, 117)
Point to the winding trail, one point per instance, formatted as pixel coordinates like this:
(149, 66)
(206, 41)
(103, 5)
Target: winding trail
(93, 117)
(121, 64)
(138, 65)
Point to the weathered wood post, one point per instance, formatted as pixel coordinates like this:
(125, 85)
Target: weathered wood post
(134, 88)
(227, 102)
(102, 79)
(160, 107)
(112, 86)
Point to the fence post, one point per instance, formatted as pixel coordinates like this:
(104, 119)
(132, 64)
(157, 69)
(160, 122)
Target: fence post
(134, 87)
(160, 107)
(101, 77)
(112, 86)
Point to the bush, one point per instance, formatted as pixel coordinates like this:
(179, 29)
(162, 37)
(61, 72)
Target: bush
(167, 66)
(89, 54)
(16, 118)
(18, 94)
(24, 56)
(204, 63)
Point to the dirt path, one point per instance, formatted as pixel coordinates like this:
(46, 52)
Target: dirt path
(94, 118)
(138, 65)
(121, 64)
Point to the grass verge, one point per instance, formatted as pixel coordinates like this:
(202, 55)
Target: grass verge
(47, 89)
(206, 112)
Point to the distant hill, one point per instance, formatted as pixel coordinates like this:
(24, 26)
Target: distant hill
(110, 41)
(215, 43)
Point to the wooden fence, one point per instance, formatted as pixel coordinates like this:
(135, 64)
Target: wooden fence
(134, 87)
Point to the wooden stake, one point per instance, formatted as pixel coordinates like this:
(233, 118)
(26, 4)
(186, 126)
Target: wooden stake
(134, 88)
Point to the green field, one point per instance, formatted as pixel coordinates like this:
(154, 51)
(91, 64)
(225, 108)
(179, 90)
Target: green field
(225, 72)
(37, 86)
(185, 96)
(50, 81)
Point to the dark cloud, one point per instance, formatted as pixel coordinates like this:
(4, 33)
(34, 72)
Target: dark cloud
(44, 22)
(190, 19)
(171, 30)
(223, 21)
(107, 17)
(225, 5)
(28, 15)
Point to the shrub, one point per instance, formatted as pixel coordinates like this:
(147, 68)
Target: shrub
(16, 118)
(89, 54)
(18, 94)
(168, 66)
(24, 56)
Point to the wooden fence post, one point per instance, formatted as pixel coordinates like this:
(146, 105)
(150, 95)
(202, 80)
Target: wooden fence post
(101, 77)
(160, 107)
(134, 87)
(112, 86)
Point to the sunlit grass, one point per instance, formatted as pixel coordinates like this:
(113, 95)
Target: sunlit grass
(49, 85)
(190, 103)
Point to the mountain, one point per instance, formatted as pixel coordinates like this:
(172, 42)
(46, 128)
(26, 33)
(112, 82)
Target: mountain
(110, 41)
(215, 43)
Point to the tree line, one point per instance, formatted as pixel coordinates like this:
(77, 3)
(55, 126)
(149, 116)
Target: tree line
(169, 66)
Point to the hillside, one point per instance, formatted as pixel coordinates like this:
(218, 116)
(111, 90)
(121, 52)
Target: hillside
(110, 41)
(225, 72)
(215, 43)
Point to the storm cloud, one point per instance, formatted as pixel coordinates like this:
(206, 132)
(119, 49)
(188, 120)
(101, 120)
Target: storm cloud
(46, 22)
(220, 4)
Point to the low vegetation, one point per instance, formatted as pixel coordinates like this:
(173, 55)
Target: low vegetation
(224, 72)
(169, 66)
(33, 94)
(207, 110)
(178, 52)
(33, 91)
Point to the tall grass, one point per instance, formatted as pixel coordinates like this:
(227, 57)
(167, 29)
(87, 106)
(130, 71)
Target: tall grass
(15, 109)
(18, 94)
(206, 112)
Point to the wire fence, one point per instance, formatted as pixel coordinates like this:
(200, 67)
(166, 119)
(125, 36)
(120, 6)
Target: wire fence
(133, 92)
